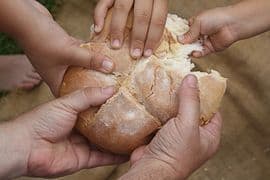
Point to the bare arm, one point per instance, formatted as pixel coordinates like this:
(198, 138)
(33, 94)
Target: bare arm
(225, 25)
(49, 48)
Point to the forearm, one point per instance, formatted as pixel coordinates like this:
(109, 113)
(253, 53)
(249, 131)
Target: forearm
(151, 169)
(250, 17)
(13, 150)
(26, 24)
(17, 18)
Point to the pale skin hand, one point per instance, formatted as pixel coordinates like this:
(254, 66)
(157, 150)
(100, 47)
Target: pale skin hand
(49, 48)
(181, 146)
(42, 143)
(148, 26)
(223, 26)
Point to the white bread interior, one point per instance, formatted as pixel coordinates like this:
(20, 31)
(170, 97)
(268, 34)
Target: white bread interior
(147, 89)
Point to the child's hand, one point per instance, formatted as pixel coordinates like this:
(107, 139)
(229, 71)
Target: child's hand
(221, 27)
(49, 48)
(214, 27)
(148, 26)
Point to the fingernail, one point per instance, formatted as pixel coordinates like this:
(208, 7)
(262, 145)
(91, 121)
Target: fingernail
(148, 53)
(97, 28)
(116, 43)
(107, 65)
(136, 53)
(196, 54)
(108, 90)
(191, 81)
(181, 38)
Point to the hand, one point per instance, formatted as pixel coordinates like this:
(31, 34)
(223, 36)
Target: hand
(49, 48)
(219, 28)
(49, 146)
(181, 146)
(52, 58)
(148, 26)
(214, 27)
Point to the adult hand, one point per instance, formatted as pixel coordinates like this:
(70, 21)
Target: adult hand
(49, 48)
(181, 146)
(148, 25)
(42, 143)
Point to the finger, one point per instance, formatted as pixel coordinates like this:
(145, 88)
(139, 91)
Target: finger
(189, 103)
(213, 129)
(207, 49)
(221, 40)
(98, 158)
(157, 25)
(31, 81)
(193, 34)
(26, 86)
(89, 158)
(211, 133)
(34, 75)
(137, 154)
(142, 17)
(90, 60)
(85, 98)
(100, 14)
(119, 19)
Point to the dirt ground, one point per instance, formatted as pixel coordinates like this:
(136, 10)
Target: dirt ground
(245, 148)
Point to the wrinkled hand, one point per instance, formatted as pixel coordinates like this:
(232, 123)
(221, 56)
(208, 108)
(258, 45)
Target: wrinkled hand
(181, 146)
(214, 27)
(51, 50)
(54, 149)
(148, 26)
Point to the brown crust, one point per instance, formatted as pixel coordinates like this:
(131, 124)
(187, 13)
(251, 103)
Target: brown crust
(147, 95)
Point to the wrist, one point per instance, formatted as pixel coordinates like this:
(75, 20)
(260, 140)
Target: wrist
(249, 18)
(14, 150)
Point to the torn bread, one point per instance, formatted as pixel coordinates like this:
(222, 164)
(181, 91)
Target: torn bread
(147, 89)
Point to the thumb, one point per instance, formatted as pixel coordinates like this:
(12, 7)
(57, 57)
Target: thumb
(82, 99)
(137, 154)
(85, 58)
(189, 102)
(193, 34)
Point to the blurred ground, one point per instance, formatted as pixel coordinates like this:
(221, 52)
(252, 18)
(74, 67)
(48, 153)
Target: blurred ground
(245, 148)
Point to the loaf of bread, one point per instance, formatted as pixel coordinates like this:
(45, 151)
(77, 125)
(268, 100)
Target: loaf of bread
(146, 89)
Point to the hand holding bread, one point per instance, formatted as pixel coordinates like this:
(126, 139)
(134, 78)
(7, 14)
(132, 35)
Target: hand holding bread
(146, 96)
(181, 145)
(149, 22)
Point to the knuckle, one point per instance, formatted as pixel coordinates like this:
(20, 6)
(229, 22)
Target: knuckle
(142, 17)
(121, 6)
(90, 93)
(199, 18)
(191, 94)
(116, 31)
(159, 22)
(138, 42)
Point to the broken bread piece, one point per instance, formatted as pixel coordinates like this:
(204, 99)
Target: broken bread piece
(146, 96)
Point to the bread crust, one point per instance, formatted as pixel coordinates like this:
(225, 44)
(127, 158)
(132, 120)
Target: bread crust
(147, 89)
